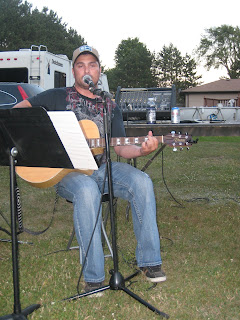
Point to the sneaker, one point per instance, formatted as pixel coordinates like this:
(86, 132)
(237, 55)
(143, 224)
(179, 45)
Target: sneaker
(154, 273)
(90, 286)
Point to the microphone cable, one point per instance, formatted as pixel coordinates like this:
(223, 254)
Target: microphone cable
(164, 181)
(3, 229)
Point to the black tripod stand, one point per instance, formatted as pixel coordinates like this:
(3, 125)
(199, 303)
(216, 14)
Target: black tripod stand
(18, 313)
(117, 281)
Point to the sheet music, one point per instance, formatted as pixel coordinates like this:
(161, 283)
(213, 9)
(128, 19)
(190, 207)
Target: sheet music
(73, 140)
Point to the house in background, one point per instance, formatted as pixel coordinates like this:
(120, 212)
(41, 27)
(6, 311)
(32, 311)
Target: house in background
(225, 93)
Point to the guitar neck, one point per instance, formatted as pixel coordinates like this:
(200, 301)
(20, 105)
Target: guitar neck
(122, 141)
(96, 144)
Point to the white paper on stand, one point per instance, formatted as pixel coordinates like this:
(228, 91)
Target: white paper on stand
(73, 140)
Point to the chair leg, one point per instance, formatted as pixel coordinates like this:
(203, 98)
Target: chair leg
(76, 247)
(107, 240)
(70, 240)
(80, 250)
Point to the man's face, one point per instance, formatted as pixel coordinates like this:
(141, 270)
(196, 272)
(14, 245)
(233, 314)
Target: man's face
(86, 64)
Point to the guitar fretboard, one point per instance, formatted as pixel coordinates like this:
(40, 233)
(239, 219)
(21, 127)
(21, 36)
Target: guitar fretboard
(122, 141)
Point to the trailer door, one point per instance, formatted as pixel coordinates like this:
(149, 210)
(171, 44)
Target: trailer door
(59, 79)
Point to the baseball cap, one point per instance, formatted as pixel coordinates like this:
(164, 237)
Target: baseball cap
(82, 49)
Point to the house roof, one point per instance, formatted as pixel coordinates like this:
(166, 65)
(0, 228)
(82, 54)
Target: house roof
(229, 85)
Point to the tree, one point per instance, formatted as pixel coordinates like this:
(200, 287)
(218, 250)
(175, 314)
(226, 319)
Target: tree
(133, 66)
(221, 47)
(14, 23)
(172, 68)
(22, 27)
(48, 28)
(189, 73)
(168, 65)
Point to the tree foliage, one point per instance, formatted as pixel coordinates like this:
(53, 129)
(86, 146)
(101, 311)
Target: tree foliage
(22, 27)
(13, 20)
(133, 66)
(221, 47)
(173, 68)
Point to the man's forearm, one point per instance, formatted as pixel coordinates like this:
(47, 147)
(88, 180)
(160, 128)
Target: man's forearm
(128, 152)
(23, 104)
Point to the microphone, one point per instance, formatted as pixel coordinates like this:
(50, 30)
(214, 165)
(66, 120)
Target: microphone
(88, 80)
(98, 92)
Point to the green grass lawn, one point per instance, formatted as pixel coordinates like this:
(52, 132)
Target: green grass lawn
(198, 214)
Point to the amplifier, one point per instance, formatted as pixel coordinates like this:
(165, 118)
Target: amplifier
(133, 101)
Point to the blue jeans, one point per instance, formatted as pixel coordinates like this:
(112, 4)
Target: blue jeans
(130, 184)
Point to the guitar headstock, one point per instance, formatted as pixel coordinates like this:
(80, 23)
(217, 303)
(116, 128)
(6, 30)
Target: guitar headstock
(178, 140)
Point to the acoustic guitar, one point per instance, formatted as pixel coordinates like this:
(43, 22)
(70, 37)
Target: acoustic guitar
(48, 177)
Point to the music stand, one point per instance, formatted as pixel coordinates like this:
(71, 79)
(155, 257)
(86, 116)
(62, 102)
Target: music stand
(23, 136)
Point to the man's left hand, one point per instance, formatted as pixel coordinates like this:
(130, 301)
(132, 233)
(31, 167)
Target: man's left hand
(150, 145)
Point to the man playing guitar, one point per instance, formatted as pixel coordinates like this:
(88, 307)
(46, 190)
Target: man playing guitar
(129, 183)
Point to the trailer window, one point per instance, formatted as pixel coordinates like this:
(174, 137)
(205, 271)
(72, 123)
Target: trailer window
(14, 75)
(59, 79)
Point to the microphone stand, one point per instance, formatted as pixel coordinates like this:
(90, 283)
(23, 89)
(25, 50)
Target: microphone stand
(117, 281)
(101, 93)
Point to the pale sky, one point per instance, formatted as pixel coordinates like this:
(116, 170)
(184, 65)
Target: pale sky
(105, 23)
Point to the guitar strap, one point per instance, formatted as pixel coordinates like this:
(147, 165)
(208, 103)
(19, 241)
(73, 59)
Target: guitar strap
(153, 157)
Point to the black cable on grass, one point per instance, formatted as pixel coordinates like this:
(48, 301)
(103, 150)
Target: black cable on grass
(4, 218)
(234, 200)
(206, 199)
(198, 199)
(164, 181)
(3, 229)
(168, 239)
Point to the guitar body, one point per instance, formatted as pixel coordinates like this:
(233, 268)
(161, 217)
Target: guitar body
(48, 177)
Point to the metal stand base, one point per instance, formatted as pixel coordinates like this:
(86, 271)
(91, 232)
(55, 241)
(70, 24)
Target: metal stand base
(23, 315)
(117, 282)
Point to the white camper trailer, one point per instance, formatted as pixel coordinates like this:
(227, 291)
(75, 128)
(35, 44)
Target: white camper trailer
(38, 66)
